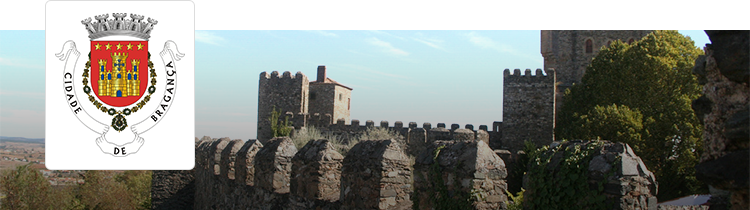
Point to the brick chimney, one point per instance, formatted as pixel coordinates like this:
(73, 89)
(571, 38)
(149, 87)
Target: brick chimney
(321, 73)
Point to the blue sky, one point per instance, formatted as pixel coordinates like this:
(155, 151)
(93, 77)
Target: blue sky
(421, 76)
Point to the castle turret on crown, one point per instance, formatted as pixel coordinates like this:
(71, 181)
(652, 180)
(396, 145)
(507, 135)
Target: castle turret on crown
(119, 81)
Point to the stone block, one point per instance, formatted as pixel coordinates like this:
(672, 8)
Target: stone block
(316, 173)
(463, 134)
(439, 133)
(229, 157)
(214, 154)
(373, 175)
(464, 166)
(273, 165)
(245, 165)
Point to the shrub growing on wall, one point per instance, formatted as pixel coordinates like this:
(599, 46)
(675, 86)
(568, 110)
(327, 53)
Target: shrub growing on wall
(641, 94)
(279, 128)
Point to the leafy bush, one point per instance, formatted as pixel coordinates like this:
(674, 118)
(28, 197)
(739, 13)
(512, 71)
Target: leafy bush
(567, 187)
(279, 129)
(516, 200)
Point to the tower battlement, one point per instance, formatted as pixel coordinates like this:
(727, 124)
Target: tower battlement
(539, 76)
(305, 103)
(285, 75)
(528, 107)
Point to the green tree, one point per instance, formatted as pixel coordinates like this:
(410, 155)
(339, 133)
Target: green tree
(279, 129)
(138, 185)
(25, 188)
(615, 123)
(101, 191)
(641, 94)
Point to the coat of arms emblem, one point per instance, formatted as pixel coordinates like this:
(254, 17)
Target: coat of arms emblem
(119, 79)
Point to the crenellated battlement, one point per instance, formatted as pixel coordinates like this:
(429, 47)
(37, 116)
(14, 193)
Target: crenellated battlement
(285, 75)
(516, 77)
(277, 175)
(528, 108)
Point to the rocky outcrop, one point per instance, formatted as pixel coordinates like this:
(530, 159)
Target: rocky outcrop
(724, 110)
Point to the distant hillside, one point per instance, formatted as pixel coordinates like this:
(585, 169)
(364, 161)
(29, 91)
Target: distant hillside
(20, 139)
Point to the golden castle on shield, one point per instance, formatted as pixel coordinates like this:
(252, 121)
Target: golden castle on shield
(119, 81)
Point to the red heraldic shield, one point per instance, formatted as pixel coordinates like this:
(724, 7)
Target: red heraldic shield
(119, 71)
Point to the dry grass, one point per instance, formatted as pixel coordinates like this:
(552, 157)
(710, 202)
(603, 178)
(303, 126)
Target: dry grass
(344, 143)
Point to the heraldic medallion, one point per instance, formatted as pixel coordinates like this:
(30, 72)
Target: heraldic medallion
(119, 79)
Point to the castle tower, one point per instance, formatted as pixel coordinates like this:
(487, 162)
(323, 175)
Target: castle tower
(120, 84)
(285, 92)
(103, 78)
(135, 84)
(569, 52)
(528, 108)
(330, 97)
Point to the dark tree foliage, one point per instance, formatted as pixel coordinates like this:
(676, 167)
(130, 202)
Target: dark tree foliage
(26, 188)
(640, 94)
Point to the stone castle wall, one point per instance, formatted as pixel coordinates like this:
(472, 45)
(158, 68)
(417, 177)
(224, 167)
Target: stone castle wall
(376, 174)
(417, 136)
(342, 103)
(285, 92)
(321, 98)
(528, 108)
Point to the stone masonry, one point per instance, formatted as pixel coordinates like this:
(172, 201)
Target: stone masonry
(467, 168)
(273, 165)
(528, 108)
(724, 109)
(376, 175)
(316, 171)
(245, 167)
(627, 183)
(283, 92)
(318, 102)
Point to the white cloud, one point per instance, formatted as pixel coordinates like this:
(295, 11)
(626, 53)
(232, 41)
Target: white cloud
(434, 43)
(388, 34)
(386, 47)
(488, 43)
(208, 38)
(328, 34)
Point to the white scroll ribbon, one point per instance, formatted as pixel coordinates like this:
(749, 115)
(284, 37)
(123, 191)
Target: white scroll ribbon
(70, 55)
(170, 67)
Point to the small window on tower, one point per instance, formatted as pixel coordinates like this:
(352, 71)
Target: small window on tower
(589, 46)
(341, 98)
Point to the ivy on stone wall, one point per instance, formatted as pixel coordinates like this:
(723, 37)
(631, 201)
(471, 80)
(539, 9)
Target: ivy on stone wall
(441, 197)
(562, 183)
